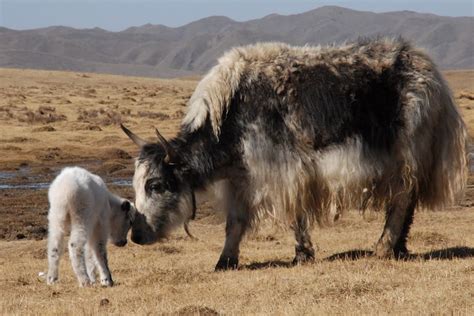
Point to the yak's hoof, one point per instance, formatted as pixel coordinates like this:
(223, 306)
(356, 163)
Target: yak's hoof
(386, 252)
(383, 251)
(400, 252)
(227, 263)
(303, 255)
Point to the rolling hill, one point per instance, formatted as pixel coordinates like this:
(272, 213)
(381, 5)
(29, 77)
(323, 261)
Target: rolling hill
(161, 51)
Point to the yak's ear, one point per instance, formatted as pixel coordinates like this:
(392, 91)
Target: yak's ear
(126, 206)
(171, 157)
(137, 140)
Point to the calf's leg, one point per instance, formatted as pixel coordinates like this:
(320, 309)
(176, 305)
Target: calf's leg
(55, 249)
(77, 243)
(99, 250)
(90, 262)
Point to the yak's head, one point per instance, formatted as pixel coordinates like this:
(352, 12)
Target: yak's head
(162, 199)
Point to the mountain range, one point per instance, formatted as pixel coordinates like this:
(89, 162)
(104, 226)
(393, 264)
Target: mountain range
(161, 51)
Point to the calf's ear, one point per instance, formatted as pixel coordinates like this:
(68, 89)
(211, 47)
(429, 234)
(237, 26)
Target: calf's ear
(126, 206)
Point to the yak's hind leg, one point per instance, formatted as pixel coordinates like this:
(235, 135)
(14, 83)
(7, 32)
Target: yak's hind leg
(236, 225)
(399, 215)
(304, 251)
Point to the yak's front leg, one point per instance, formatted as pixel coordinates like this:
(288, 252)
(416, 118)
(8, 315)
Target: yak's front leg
(236, 225)
(304, 251)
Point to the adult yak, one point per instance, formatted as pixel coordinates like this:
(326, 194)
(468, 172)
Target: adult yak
(294, 131)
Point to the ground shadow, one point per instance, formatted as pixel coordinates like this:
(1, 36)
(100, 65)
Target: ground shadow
(350, 255)
(267, 264)
(446, 254)
(441, 254)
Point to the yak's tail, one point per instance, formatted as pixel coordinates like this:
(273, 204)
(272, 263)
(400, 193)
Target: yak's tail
(443, 183)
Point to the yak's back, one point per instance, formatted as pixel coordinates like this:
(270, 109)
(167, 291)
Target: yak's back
(375, 108)
(289, 71)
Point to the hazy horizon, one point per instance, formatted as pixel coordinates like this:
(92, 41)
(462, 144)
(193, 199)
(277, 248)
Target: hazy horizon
(121, 14)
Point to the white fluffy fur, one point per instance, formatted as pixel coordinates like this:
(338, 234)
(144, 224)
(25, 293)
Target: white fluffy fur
(80, 203)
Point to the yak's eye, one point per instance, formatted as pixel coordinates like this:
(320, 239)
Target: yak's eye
(154, 185)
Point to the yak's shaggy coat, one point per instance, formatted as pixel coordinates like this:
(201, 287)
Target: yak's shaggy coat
(298, 131)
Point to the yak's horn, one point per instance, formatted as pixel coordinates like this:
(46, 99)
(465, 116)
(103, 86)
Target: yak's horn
(136, 139)
(170, 157)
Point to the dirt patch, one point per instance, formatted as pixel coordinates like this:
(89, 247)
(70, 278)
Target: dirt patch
(101, 117)
(196, 310)
(52, 153)
(116, 153)
(107, 140)
(46, 128)
(21, 220)
(178, 114)
(20, 139)
(87, 127)
(44, 114)
(10, 148)
(153, 115)
(466, 95)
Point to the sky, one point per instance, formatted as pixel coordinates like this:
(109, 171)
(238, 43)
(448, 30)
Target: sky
(117, 15)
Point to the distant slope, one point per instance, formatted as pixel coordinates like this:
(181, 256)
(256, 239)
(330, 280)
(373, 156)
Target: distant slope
(157, 50)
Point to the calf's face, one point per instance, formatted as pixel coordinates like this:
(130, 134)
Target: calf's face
(121, 222)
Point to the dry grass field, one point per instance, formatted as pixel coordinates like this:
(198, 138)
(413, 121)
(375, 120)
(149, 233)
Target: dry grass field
(52, 119)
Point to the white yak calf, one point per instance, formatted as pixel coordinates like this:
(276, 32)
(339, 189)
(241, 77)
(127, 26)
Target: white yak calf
(80, 203)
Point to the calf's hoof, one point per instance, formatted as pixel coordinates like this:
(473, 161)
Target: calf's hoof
(50, 280)
(106, 282)
(227, 263)
(85, 283)
(303, 255)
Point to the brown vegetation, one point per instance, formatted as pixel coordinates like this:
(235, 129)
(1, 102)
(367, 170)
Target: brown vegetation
(176, 276)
